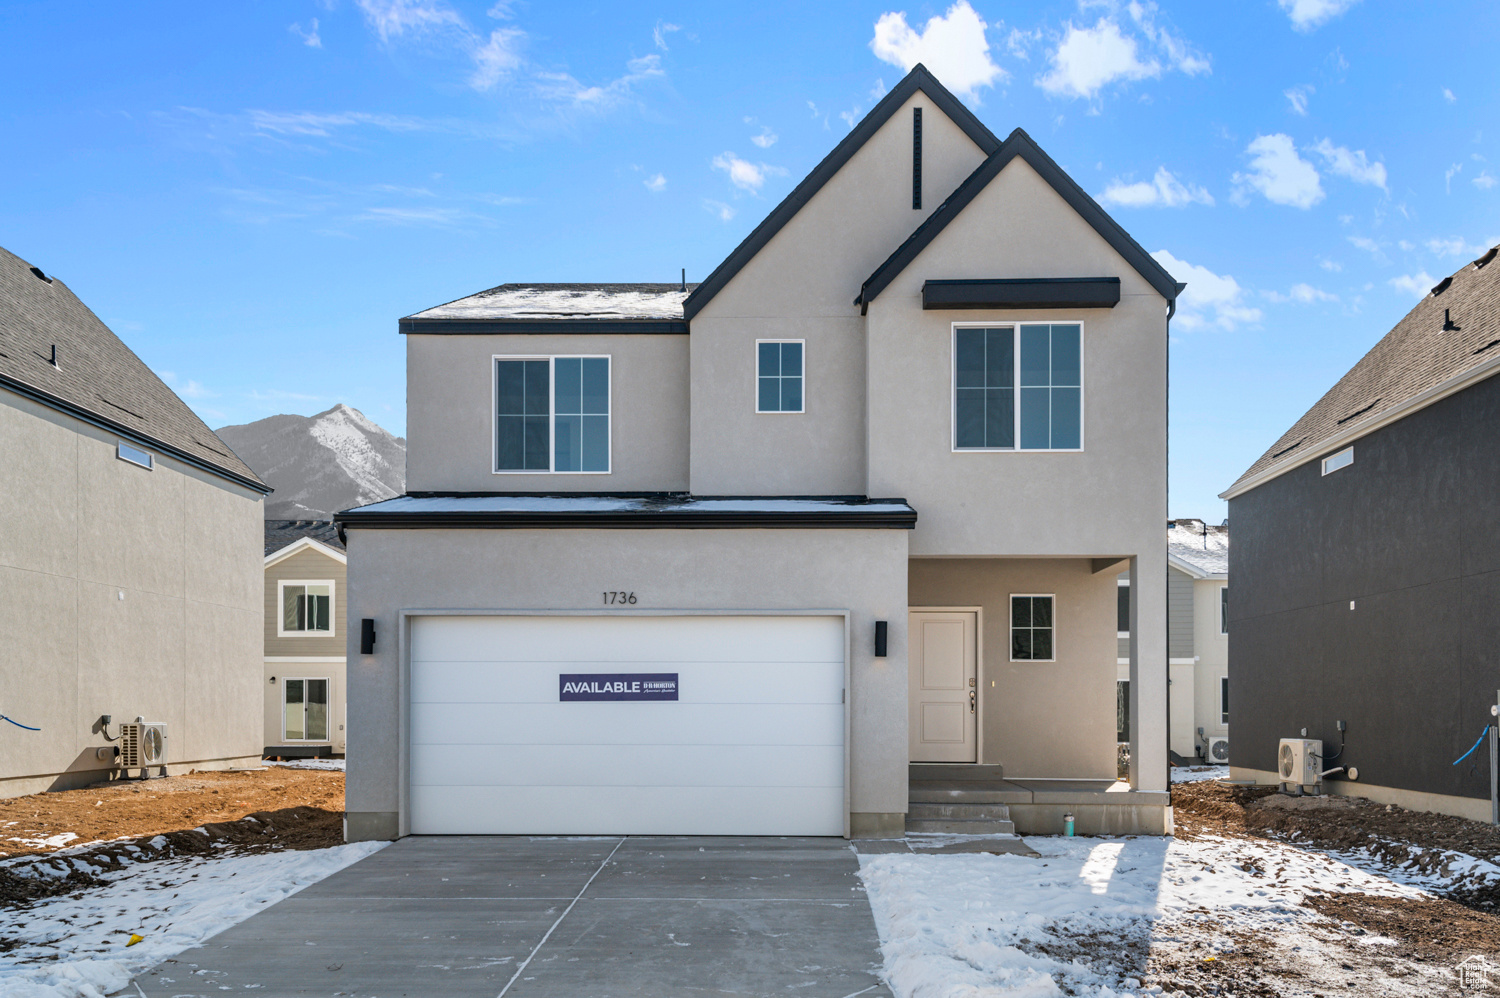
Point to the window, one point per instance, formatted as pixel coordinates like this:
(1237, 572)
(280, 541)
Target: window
(1342, 459)
(552, 415)
(1223, 699)
(1224, 610)
(1031, 629)
(1018, 387)
(304, 715)
(1122, 711)
(1122, 613)
(306, 608)
(778, 375)
(125, 452)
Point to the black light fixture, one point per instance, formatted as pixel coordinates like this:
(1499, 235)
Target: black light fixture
(367, 636)
(880, 635)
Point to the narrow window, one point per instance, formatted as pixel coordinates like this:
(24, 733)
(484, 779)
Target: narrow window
(916, 158)
(1031, 629)
(126, 452)
(779, 375)
(1224, 610)
(552, 414)
(1051, 387)
(305, 710)
(1342, 459)
(984, 391)
(1224, 700)
(582, 435)
(306, 608)
(1123, 611)
(523, 391)
(1122, 711)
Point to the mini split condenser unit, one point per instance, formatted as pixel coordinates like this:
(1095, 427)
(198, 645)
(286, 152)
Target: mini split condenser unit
(1218, 750)
(1300, 762)
(143, 744)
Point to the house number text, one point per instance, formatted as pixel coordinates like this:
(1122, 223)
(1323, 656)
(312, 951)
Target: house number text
(618, 598)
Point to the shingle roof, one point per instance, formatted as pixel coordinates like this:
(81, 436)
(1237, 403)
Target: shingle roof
(1422, 352)
(96, 377)
(566, 301)
(1202, 545)
(280, 533)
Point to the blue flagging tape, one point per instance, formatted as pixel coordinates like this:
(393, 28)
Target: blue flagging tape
(1471, 751)
(19, 724)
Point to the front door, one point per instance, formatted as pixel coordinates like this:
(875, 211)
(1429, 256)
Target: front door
(944, 689)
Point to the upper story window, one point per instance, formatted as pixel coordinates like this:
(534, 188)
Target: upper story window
(135, 455)
(306, 608)
(778, 375)
(552, 415)
(1021, 383)
(1224, 610)
(1342, 459)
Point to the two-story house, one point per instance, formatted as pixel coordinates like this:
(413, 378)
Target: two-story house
(748, 556)
(304, 660)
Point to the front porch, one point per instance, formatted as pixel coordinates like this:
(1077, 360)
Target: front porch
(979, 800)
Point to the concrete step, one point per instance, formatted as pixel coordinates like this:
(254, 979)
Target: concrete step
(960, 811)
(926, 772)
(960, 827)
(919, 793)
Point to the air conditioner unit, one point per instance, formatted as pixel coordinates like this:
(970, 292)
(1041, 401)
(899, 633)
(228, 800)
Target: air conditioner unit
(1218, 750)
(1300, 761)
(142, 744)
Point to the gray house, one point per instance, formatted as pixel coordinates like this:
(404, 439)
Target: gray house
(130, 577)
(1367, 564)
(782, 552)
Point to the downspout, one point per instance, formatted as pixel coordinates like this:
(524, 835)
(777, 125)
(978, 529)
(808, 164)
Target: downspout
(1167, 643)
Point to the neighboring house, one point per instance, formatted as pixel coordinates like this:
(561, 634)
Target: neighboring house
(1197, 642)
(730, 558)
(1367, 564)
(304, 657)
(129, 582)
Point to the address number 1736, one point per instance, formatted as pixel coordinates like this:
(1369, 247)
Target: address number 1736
(618, 598)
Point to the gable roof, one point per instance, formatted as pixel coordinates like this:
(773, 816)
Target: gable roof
(1424, 358)
(282, 534)
(918, 79)
(529, 308)
(97, 378)
(1199, 549)
(306, 543)
(1018, 143)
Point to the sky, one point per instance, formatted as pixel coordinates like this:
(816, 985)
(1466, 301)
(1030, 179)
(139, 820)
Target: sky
(251, 195)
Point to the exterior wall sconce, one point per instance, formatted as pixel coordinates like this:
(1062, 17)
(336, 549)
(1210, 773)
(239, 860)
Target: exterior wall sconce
(880, 638)
(367, 636)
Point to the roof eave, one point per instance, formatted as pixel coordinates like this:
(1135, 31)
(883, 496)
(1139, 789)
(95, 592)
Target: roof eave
(303, 544)
(468, 326)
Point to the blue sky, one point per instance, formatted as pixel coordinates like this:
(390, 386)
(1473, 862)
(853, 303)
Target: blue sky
(252, 194)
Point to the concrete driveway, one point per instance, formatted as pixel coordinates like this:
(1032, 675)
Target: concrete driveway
(568, 917)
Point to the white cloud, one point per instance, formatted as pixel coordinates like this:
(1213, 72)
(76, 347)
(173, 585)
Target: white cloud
(1405, 245)
(1163, 190)
(661, 31)
(1179, 55)
(1210, 300)
(952, 45)
(1333, 266)
(1448, 176)
(1307, 15)
(1484, 181)
(310, 36)
(496, 58)
(1302, 294)
(1457, 246)
(394, 18)
(1089, 59)
(1448, 95)
(1352, 164)
(766, 139)
(655, 183)
(493, 57)
(1280, 174)
(187, 389)
(1416, 285)
(1297, 97)
(745, 175)
(562, 88)
(1020, 43)
(318, 123)
(724, 211)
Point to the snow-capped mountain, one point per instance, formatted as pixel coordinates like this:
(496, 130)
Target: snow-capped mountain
(320, 464)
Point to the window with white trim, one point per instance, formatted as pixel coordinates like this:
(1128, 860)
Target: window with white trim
(135, 455)
(304, 710)
(1031, 628)
(306, 608)
(1224, 610)
(779, 375)
(552, 415)
(1018, 387)
(1342, 459)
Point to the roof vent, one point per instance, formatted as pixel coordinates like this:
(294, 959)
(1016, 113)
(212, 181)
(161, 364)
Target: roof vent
(1287, 450)
(1487, 257)
(1441, 286)
(1359, 412)
(38, 272)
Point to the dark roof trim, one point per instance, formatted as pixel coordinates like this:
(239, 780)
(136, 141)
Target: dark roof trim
(918, 79)
(1018, 143)
(105, 423)
(904, 519)
(1044, 292)
(492, 326)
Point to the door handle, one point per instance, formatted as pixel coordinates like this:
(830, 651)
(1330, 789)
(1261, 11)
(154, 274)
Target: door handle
(973, 701)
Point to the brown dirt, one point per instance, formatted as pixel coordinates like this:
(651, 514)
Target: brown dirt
(207, 813)
(1432, 928)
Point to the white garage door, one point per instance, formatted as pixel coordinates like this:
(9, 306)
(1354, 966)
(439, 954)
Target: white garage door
(753, 744)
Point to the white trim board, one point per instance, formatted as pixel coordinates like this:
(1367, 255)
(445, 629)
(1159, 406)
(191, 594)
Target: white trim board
(319, 659)
(305, 544)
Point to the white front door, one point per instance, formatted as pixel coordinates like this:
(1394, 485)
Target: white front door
(942, 649)
(651, 725)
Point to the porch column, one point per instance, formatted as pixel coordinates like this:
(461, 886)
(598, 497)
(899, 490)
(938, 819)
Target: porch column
(1148, 670)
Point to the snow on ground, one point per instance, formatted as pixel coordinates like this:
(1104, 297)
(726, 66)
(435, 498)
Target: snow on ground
(337, 764)
(68, 947)
(1082, 918)
(1197, 774)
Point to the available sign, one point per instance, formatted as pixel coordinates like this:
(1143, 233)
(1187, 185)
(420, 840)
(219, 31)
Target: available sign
(617, 686)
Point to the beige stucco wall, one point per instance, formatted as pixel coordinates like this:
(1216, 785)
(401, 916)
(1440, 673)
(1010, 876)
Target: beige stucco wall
(802, 285)
(1211, 647)
(125, 592)
(450, 419)
(1038, 719)
(301, 657)
(862, 571)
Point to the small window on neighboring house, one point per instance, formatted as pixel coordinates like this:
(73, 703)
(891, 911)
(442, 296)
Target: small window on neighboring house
(126, 452)
(1224, 700)
(1031, 629)
(779, 375)
(1122, 710)
(1124, 610)
(1342, 459)
(1224, 610)
(552, 415)
(306, 608)
(304, 710)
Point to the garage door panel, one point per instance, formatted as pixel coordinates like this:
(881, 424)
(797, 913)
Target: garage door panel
(698, 682)
(632, 766)
(624, 638)
(602, 724)
(626, 811)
